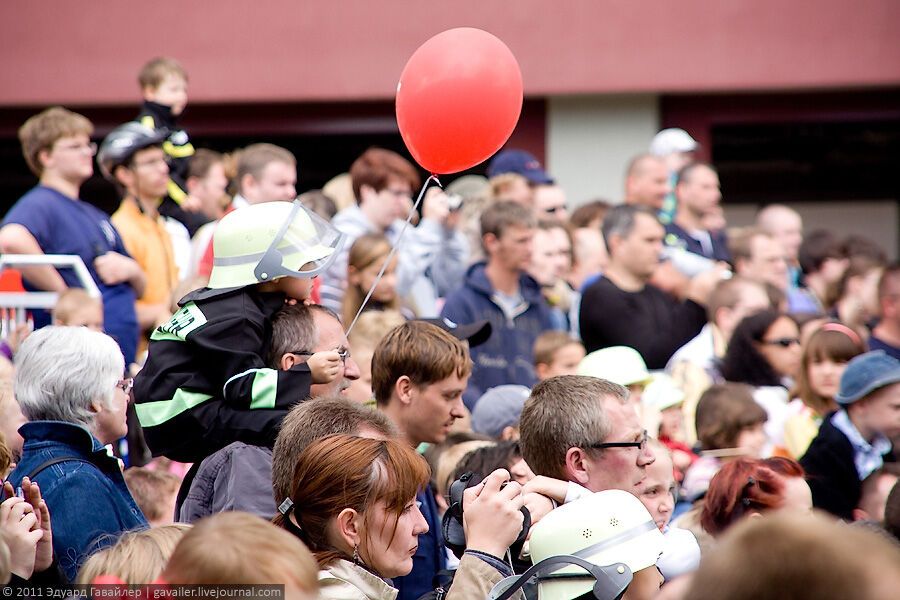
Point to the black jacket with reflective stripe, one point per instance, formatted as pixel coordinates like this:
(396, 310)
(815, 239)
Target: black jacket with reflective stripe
(206, 383)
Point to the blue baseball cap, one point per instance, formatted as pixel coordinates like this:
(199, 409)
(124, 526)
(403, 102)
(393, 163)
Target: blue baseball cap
(521, 162)
(865, 374)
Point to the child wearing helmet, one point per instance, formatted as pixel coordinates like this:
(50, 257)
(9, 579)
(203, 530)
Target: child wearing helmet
(206, 383)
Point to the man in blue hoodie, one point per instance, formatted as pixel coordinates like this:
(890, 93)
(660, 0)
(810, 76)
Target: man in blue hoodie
(501, 292)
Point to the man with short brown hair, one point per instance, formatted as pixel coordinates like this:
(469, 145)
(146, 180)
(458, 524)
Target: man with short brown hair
(502, 292)
(419, 373)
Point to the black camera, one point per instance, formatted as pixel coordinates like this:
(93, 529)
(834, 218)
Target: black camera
(452, 523)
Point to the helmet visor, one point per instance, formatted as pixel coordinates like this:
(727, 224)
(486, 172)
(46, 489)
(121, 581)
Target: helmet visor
(305, 245)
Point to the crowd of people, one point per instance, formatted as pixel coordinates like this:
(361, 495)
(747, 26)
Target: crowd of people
(631, 396)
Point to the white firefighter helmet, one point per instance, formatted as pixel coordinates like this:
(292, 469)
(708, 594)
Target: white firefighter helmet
(263, 242)
(604, 528)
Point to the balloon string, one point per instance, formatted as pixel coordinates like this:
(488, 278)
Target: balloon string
(393, 251)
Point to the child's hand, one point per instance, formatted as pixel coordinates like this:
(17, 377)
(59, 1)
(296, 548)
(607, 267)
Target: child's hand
(324, 366)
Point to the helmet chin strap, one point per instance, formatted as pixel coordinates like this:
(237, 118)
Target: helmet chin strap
(610, 581)
(396, 245)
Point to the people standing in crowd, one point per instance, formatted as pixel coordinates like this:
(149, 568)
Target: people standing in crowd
(70, 387)
(367, 334)
(855, 440)
(51, 219)
(556, 353)
(518, 162)
(164, 87)
(697, 365)
(206, 382)
(432, 257)
(207, 183)
(729, 424)
(353, 502)
(237, 549)
(569, 436)
(647, 182)
(759, 257)
(550, 202)
(623, 309)
(698, 192)
(857, 302)
(750, 486)
(825, 356)
(501, 291)
(823, 260)
(765, 352)
(264, 173)
(551, 260)
(681, 552)
(677, 149)
(364, 262)
(419, 374)
(785, 226)
(131, 157)
(886, 335)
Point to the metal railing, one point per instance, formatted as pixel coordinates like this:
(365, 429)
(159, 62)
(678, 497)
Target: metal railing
(45, 300)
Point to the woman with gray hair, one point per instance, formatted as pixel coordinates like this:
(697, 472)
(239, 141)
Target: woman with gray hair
(69, 384)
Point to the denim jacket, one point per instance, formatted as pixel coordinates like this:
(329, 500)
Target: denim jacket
(89, 503)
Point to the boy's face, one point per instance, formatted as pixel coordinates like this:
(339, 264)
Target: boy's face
(171, 92)
(565, 361)
(880, 411)
(658, 491)
(89, 315)
(71, 157)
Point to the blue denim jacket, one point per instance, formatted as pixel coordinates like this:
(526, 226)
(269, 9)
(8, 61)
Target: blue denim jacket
(90, 505)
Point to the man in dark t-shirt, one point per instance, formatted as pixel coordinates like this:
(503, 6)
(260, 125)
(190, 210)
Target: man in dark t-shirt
(51, 219)
(623, 309)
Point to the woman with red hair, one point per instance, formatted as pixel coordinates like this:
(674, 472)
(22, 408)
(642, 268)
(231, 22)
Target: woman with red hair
(751, 487)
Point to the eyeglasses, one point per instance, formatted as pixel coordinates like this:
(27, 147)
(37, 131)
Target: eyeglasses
(125, 385)
(154, 162)
(783, 342)
(90, 147)
(639, 445)
(343, 353)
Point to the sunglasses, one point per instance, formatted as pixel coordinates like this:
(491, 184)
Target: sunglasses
(783, 342)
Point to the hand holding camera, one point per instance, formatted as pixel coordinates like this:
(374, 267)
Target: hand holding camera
(492, 516)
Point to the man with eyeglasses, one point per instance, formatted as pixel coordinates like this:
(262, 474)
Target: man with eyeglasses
(584, 430)
(51, 219)
(434, 254)
(132, 158)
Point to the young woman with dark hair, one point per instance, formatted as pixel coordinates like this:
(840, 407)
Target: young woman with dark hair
(764, 352)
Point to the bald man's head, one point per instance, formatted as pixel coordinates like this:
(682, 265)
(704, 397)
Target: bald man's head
(785, 225)
(647, 181)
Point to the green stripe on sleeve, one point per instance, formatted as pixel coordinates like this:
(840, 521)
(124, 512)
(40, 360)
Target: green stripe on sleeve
(265, 389)
(151, 414)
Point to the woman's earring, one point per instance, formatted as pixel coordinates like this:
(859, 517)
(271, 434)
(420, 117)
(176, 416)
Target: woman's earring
(356, 555)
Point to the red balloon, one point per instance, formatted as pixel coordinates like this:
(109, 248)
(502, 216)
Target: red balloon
(458, 100)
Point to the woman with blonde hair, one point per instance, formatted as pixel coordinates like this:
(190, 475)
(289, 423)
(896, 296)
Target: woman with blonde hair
(138, 556)
(366, 257)
(353, 503)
